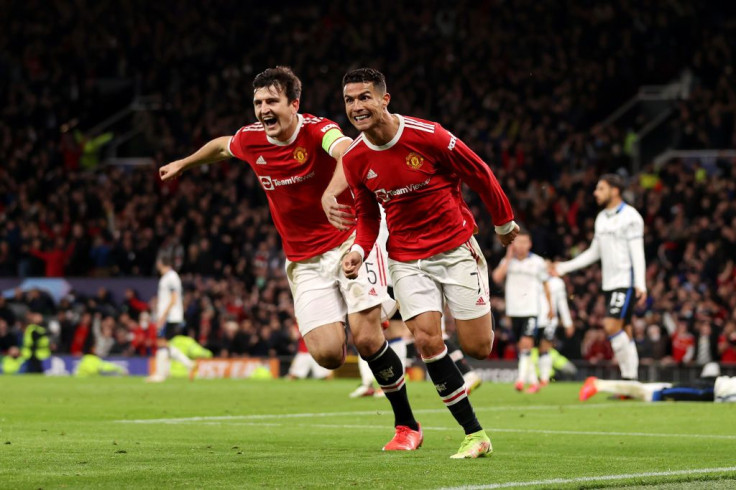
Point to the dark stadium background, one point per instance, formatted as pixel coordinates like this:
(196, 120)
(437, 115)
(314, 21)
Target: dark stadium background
(96, 95)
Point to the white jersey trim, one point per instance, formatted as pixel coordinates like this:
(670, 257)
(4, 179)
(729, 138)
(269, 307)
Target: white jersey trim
(393, 141)
(332, 146)
(299, 125)
(419, 126)
(423, 125)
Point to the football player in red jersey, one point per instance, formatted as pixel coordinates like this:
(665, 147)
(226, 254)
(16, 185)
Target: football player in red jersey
(414, 168)
(294, 157)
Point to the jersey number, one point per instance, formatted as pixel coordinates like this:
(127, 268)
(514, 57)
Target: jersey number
(372, 277)
(618, 299)
(477, 278)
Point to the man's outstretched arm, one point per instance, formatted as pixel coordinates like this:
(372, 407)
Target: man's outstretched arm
(213, 151)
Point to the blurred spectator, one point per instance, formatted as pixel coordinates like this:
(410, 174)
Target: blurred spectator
(143, 335)
(104, 339)
(654, 346)
(596, 347)
(8, 337)
(6, 313)
(237, 339)
(82, 335)
(727, 343)
(132, 305)
(683, 343)
(122, 345)
(706, 344)
(56, 258)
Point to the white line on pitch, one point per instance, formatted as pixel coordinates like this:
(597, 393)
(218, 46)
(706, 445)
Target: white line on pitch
(267, 416)
(588, 479)
(491, 430)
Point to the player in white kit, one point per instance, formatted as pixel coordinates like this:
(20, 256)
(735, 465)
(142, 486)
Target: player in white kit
(526, 278)
(548, 325)
(169, 320)
(619, 244)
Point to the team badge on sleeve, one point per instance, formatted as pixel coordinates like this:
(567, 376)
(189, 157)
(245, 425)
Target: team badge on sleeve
(300, 154)
(414, 160)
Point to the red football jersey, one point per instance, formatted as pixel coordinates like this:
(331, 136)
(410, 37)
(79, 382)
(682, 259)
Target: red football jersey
(417, 177)
(294, 175)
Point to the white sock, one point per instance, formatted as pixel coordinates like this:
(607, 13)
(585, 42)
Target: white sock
(524, 362)
(633, 389)
(366, 375)
(545, 367)
(179, 356)
(620, 343)
(399, 346)
(162, 362)
(531, 372)
(632, 361)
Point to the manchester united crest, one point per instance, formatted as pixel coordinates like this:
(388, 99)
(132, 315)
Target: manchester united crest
(300, 154)
(414, 160)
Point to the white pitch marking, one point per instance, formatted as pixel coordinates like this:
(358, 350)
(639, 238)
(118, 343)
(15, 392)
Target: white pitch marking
(491, 430)
(266, 416)
(588, 479)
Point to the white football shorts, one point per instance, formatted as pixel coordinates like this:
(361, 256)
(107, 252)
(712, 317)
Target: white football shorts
(323, 295)
(458, 276)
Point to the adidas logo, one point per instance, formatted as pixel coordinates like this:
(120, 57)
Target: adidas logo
(480, 302)
(371, 174)
(261, 160)
(373, 292)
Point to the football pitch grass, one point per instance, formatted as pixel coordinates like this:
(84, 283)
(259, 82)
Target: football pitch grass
(124, 433)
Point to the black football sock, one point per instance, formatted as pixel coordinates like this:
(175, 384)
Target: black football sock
(389, 373)
(457, 357)
(451, 387)
(411, 352)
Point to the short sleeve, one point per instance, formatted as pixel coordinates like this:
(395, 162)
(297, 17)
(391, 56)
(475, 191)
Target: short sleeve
(330, 134)
(237, 145)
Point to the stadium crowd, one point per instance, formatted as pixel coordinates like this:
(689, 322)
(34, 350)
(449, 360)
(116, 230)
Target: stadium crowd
(523, 83)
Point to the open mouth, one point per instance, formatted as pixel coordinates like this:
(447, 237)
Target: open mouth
(361, 117)
(270, 122)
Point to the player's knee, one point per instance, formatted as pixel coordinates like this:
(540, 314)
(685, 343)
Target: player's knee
(331, 359)
(479, 350)
(427, 344)
(330, 362)
(368, 345)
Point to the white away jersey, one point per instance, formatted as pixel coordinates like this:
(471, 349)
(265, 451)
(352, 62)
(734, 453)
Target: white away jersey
(619, 245)
(558, 295)
(524, 280)
(168, 284)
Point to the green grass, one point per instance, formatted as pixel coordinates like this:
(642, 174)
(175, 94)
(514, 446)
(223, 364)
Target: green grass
(66, 432)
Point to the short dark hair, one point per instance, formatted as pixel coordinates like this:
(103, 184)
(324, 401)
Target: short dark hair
(283, 79)
(366, 75)
(613, 180)
(165, 259)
